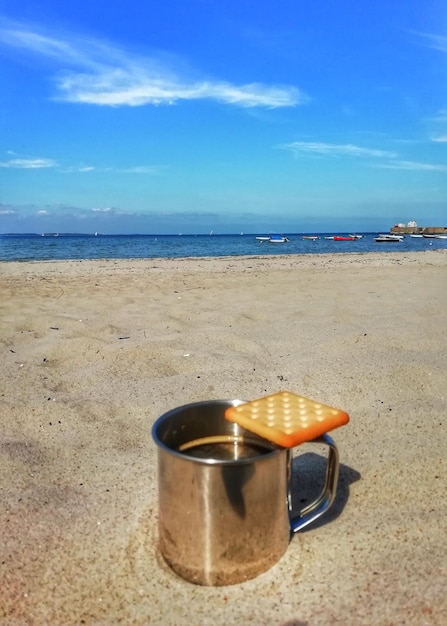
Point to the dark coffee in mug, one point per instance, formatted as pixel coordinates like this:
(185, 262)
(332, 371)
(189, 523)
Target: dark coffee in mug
(225, 448)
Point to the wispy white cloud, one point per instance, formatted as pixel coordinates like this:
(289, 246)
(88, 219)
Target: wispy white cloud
(335, 150)
(415, 166)
(437, 42)
(441, 116)
(28, 164)
(74, 169)
(136, 169)
(96, 72)
(439, 122)
(105, 213)
(132, 88)
(33, 163)
(141, 169)
(382, 158)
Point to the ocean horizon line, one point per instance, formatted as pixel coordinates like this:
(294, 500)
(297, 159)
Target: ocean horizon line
(209, 234)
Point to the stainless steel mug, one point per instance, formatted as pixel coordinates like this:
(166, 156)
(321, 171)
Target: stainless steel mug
(225, 501)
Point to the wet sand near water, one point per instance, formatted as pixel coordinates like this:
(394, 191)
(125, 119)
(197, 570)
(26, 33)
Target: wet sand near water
(94, 351)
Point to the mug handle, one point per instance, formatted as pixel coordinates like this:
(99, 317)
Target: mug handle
(319, 506)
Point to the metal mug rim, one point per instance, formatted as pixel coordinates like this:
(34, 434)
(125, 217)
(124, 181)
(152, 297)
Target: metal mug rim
(206, 461)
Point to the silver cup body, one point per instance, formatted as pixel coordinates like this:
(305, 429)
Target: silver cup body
(220, 521)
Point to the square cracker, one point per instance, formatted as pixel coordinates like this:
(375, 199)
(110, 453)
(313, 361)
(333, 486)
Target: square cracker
(287, 418)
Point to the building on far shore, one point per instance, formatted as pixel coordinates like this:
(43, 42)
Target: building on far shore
(413, 229)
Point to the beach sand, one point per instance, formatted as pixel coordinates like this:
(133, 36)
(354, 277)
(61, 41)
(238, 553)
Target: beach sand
(94, 351)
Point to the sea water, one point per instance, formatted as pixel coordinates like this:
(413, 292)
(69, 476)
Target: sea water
(34, 247)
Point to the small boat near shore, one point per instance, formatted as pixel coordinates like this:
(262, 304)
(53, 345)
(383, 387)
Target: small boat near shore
(278, 239)
(311, 237)
(340, 238)
(388, 238)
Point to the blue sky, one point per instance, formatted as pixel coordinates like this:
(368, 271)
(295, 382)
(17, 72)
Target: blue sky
(175, 116)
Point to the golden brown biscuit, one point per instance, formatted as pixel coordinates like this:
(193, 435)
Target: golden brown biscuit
(287, 418)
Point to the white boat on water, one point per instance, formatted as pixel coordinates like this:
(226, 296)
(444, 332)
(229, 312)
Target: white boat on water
(416, 235)
(278, 239)
(356, 236)
(388, 238)
(272, 238)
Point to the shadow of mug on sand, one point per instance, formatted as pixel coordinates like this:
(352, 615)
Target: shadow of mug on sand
(308, 470)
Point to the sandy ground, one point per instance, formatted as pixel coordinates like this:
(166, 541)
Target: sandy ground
(94, 351)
